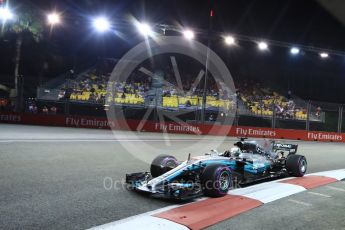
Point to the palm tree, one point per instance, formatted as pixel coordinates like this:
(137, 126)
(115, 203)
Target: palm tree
(27, 26)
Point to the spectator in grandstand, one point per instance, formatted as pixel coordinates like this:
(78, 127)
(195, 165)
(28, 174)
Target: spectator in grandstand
(92, 97)
(188, 103)
(31, 105)
(101, 99)
(35, 109)
(31, 108)
(318, 112)
(291, 105)
(279, 110)
(61, 94)
(45, 110)
(211, 118)
(125, 89)
(53, 110)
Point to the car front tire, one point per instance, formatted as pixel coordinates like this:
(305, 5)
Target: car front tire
(216, 180)
(162, 164)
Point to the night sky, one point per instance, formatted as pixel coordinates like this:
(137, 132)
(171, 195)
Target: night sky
(294, 21)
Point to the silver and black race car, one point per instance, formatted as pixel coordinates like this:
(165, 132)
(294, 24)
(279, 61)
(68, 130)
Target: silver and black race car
(214, 174)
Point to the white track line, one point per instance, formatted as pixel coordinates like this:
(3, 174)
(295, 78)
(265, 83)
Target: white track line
(320, 194)
(335, 188)
(299, 202)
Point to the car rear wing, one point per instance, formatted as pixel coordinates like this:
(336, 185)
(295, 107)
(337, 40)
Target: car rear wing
(291, 148)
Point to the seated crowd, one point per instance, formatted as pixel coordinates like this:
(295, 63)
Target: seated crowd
(214, 98)
(259, 100)
(93, 88)
(90, 87)
(263, 101)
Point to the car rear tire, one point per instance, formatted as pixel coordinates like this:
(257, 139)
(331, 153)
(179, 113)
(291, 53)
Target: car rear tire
(296, 165)
(216, 180)
(162, 164)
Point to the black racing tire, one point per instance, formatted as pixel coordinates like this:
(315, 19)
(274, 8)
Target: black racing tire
(162, 164)
(296, 165)
(216, 180)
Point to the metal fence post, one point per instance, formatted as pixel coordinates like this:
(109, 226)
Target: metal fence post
(308, 116)
(274, 118)
(340, 118)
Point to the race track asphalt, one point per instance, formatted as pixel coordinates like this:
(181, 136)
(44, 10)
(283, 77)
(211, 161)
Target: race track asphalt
(68, 178)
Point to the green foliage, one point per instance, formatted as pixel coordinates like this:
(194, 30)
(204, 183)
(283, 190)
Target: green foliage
(28, 23)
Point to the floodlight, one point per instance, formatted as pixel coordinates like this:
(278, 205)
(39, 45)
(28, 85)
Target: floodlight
(229, 40)
(6, 14)
(53, 18)
(262, 46)
(101, 24)
(188, 34)
(324, 55)
(144, 29)
(294, 50)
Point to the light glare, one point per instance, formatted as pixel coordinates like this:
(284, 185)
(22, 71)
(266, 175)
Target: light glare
(294, 50)
(324, 55)
(229, 40)
(101, 24)
(5, 14)
(144, 29)
(262, 46)
(53, 18)
(188, 34)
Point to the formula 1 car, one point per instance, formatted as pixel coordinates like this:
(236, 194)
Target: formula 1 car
(214, 174)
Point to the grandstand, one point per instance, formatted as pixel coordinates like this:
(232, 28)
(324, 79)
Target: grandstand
(153, 84)
(90, 86)
(263, 101)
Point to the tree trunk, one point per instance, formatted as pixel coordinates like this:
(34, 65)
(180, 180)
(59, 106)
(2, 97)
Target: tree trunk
(16, 72)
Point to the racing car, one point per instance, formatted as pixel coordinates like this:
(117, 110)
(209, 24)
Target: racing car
(214, 173)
